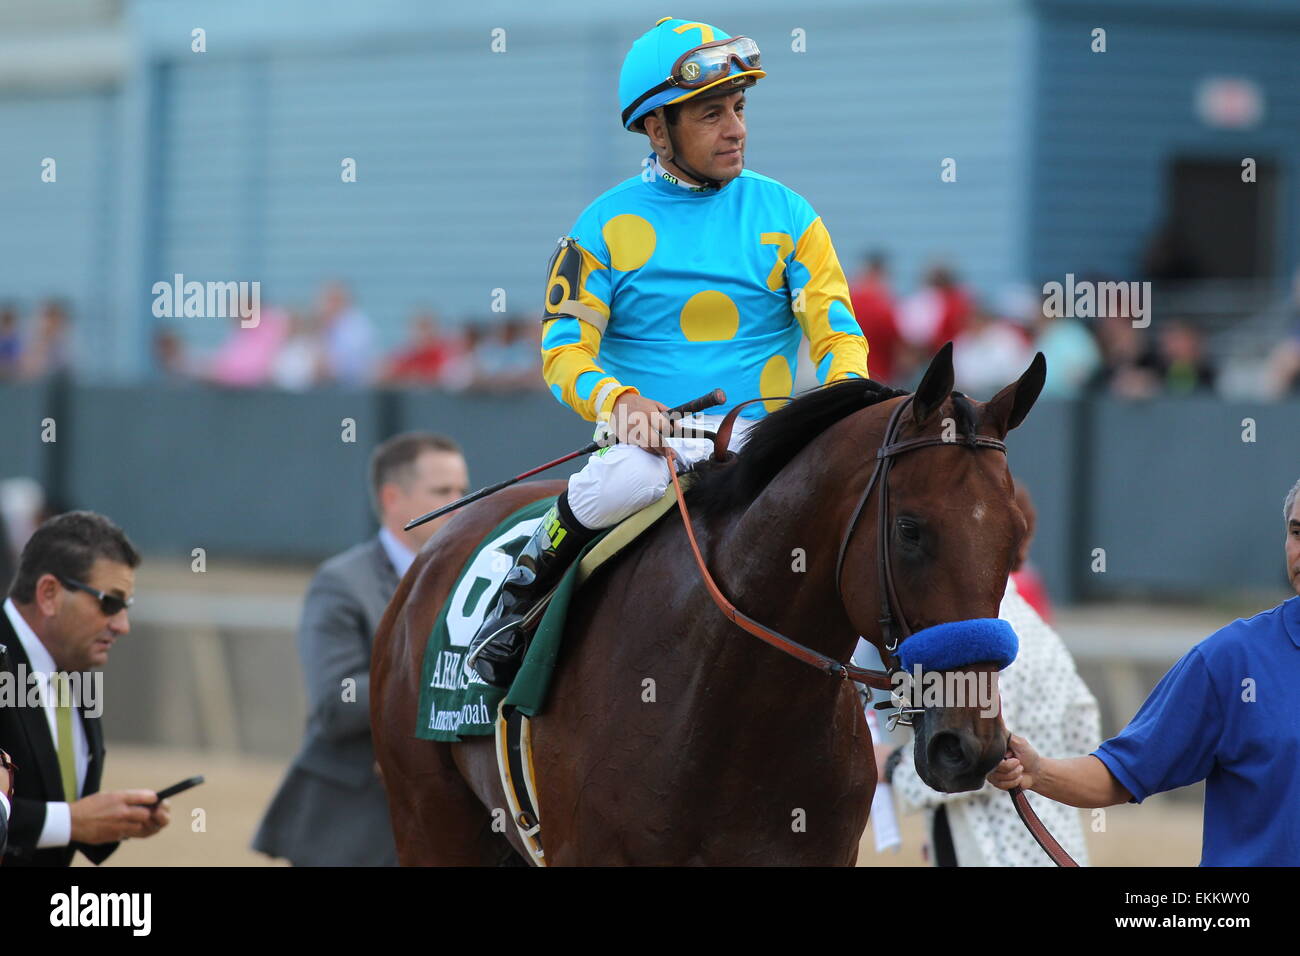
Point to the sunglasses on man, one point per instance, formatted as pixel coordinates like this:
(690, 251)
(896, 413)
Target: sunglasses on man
(110, 604)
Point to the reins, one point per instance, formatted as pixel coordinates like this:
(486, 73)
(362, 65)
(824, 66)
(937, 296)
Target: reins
(827, 665)
(880, 680)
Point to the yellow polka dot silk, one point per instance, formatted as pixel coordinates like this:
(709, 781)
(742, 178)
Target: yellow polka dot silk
(671, 292)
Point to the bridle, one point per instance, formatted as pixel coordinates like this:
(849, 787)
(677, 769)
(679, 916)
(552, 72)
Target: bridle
(893, 623)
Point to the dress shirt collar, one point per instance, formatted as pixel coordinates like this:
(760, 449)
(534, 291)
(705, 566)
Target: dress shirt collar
(40, 657)
(399, 555)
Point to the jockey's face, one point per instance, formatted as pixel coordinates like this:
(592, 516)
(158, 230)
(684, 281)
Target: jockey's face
(709, 136)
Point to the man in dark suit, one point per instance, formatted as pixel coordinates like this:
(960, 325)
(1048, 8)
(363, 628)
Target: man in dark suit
(66, 608)
(331, 809)
(5, 784)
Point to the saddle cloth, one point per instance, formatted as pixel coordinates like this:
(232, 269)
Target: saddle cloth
(454, 704)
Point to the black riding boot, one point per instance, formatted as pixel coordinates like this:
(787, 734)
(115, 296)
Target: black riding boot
(497, 650)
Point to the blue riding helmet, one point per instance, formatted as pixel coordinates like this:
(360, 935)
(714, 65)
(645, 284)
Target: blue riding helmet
(657, 70)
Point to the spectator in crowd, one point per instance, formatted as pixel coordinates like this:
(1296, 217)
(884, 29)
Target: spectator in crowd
(1135, 368)
(346, 336)
(462, 371)
(1283, 370)
(424, 357)
(23, 505)
(10, 343)
(66, 608)
(299, 363)
(1029, 584)
(1225, 714)
(49, 351)
(169, 357)
(1041, 689)
(244, 360)
(988, 353)
(873, 307)
(1071, 352)
(1130, 367)
(928, 318)
(509, 358)
(1184, 366)
(1018, 305)
(331, 809)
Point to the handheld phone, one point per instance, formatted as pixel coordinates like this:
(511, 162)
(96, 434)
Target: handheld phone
(178, 788)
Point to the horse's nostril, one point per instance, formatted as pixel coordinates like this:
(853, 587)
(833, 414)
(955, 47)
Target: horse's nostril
(947, 752)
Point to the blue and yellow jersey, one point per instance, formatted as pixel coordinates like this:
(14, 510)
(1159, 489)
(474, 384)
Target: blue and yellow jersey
(671, 292)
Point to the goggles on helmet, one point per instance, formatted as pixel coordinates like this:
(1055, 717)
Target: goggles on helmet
(706, 64)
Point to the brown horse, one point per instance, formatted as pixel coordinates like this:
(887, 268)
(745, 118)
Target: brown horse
(670, 735)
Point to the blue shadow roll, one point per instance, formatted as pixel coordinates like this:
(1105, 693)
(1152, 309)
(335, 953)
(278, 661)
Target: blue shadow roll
(959, 643)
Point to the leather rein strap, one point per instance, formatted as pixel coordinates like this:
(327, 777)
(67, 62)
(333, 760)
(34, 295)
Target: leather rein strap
(893, 630)
(827, 665)
(1038, 830)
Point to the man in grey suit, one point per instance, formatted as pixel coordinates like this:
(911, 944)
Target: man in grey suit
(331, 809)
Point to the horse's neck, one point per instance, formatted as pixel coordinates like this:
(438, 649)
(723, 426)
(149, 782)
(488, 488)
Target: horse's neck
(778, 556)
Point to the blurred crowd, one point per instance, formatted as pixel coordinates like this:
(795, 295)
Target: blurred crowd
(334, 343)
(38, 348)
(994, 342)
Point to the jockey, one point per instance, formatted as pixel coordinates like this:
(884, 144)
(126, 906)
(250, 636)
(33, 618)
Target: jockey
(693, 275)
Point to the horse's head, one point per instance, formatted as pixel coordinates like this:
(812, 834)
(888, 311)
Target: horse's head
(951, 533)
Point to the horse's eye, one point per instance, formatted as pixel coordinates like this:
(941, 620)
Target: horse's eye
(909, 530)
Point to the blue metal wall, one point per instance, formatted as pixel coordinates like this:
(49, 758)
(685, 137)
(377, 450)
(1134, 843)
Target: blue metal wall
(1179, 503)
(55, 237)
(225, 164)
(1106, 124)
(471, 163)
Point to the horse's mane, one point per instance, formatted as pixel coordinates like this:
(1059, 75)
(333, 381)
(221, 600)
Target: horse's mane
(776, 439)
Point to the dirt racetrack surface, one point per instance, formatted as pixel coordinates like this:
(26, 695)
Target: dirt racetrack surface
(238, 789)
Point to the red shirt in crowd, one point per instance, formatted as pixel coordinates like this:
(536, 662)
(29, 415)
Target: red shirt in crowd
(873, 307)
(423, 363)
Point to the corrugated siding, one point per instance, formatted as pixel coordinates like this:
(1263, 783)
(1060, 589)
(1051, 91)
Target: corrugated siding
(459, 191)
(471, 164)
(55, 236)
(206, 223)
(861, 123)
(1109, 122)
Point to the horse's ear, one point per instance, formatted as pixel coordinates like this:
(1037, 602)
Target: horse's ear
(936, 385)
(1008, 408)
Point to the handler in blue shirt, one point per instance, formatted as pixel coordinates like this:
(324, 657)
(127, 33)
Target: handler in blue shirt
(1228, 713)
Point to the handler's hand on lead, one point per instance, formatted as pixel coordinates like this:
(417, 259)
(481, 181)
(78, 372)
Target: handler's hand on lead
(641, 421)
(1018, 770)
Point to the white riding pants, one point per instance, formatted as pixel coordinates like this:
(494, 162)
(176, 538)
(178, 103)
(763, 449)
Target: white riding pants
(620, 480)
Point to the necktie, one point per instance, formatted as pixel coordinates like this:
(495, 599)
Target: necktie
(63, 721)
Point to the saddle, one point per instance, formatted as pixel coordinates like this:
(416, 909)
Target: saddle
(514, 747)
